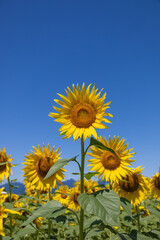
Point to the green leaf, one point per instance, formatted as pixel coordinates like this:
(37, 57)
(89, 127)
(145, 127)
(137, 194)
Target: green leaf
(126, 205)
(3, 163)
(104, 204)
(45, 211)
(62, 133)
(98, 144)
(24, 232)
(135, 235)
(58, 165)
(155, 212)
(8, 205)
(89, 175)
(14, 180)
(75, 173)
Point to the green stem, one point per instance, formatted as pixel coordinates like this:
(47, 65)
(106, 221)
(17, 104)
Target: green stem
(75, 215)
(38, 198)
(82, 189)
(110, 185)
(138, 222)
(38, 230)
(10, 200)
(49, 220)
(10, 190)
(110, 235)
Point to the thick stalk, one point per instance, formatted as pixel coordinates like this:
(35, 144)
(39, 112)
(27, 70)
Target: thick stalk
(10, 200)
(37, 198)
(138, 222)
(49, 220)
(82, 189)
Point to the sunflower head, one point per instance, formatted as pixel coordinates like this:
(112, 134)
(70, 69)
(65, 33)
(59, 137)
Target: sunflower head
(155, 185)
(38, 222)
(133, 187)
(61, 195)
(89, 186)
(37, 165)
(5, 168)
(73, 199)
(111, 167)
(82, 110)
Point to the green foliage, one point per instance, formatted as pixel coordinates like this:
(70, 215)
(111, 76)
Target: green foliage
(57, 166)
(104, 204)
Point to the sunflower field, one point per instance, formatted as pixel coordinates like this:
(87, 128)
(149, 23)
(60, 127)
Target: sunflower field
(126, 206)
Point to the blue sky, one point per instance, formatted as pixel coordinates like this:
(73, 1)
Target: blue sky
(46, 46)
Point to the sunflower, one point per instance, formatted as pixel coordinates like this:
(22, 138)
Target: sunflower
(5, 169)
(14, 197)
(89, 186)
(61, 194)
(38, 222)
(155, 185)
(132, 187)
(37, 165)
(3, 214)
(72, 199)
(109, 166)
(82, 110)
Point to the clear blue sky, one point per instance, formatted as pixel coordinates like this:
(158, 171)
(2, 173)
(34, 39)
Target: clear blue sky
(46, 46)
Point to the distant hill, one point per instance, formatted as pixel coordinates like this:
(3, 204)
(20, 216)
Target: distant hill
(21, 189)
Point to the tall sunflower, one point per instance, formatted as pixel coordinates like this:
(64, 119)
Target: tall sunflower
(5, 169)
(110, 167)
(37, 165)
(155, 185)
(82, 110)
(133, 187)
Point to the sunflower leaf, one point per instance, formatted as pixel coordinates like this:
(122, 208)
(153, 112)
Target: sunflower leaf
(126, 205)
(98, 144)
(52, 208)
(58, 165)
(3, 163)
(104, 204)
(89, 175)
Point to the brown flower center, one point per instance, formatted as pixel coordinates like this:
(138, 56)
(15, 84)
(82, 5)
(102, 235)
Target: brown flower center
(83, 115)
(75, 196)
(43, 166)
(64, 196)
(157, 182)
(110, 161)
(130, 184)
(2, 160)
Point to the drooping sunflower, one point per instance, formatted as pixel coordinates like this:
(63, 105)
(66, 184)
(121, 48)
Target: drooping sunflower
(132, 187)
(155, 185)
(61, 194)
(5, 169)
(111, 167)
(72, 199)
(82, 110)
(37, 165)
